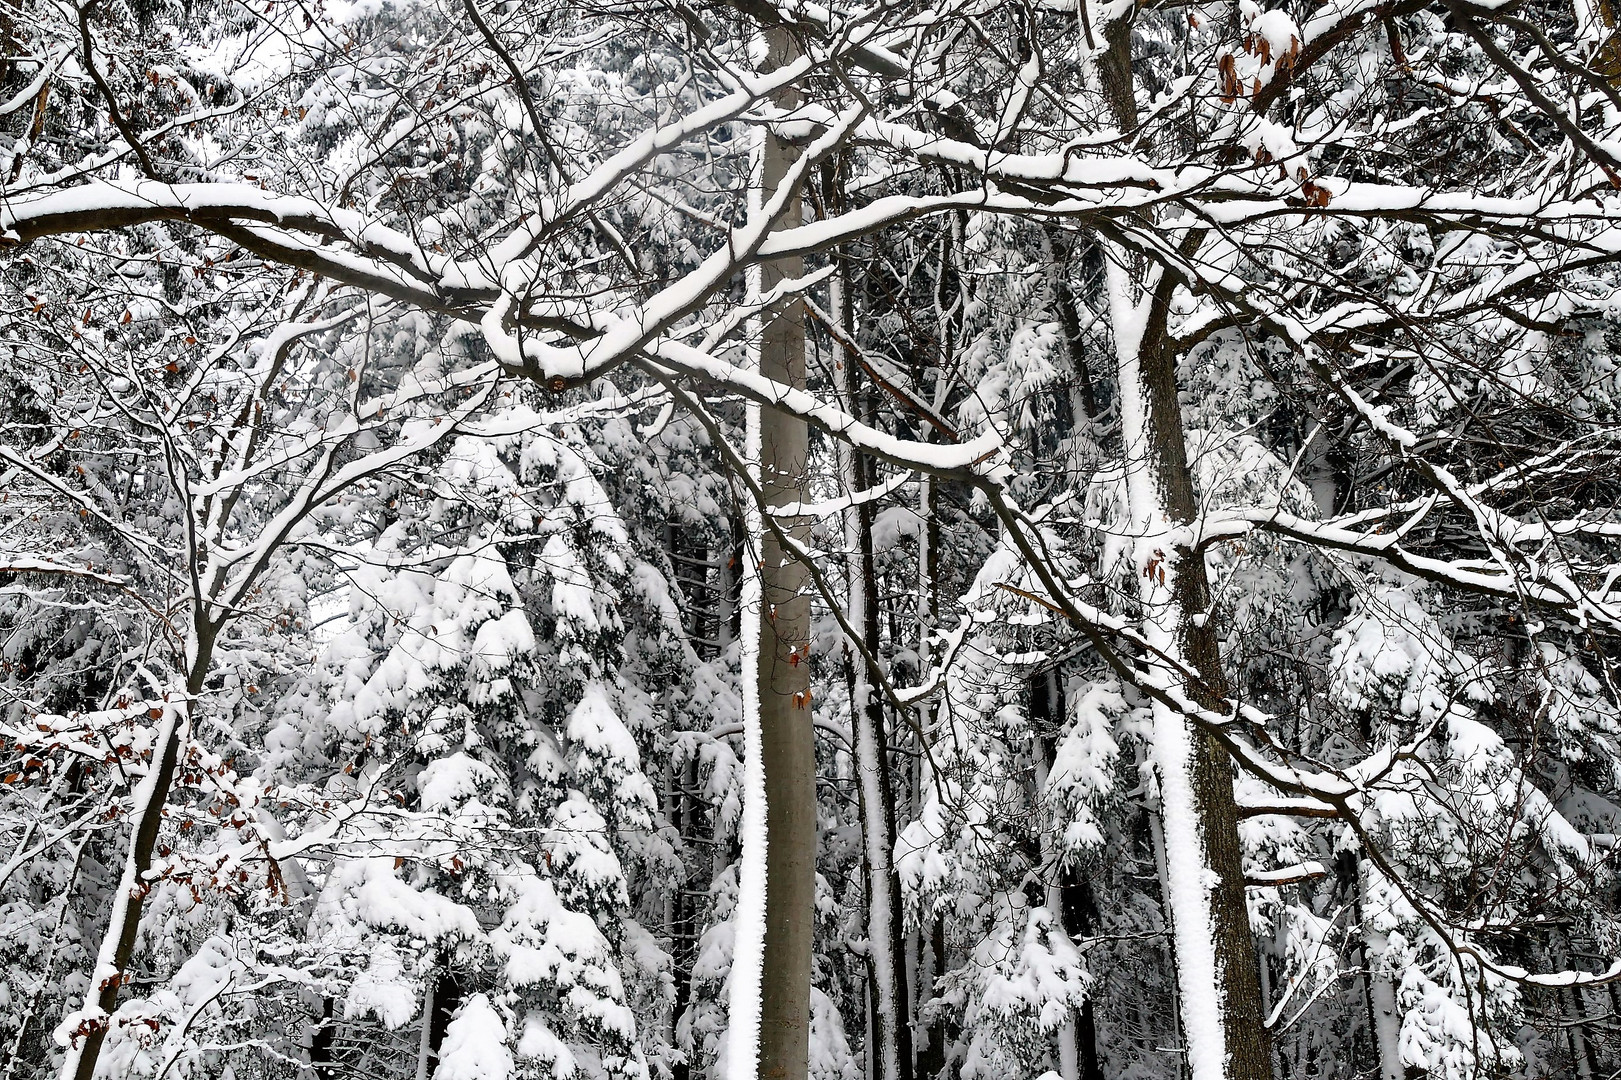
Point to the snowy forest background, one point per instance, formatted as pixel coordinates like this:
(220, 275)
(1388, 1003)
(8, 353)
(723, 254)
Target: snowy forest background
(659, 540)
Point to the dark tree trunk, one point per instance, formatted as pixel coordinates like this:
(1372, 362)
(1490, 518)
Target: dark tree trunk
(444, 998)
(1243, 1016)
(1249, 1055)
(321, 1062)
(165, 758)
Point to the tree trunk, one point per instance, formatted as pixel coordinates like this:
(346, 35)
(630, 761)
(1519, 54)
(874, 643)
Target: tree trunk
(321, 1063)
(1059, 254)
(1069, 1053)
(886, 957)
(1219, 986)
(928, 1046)
(889, 1039)
(1581, 1050)
(1081, 911)
(1383, 1015)
(1070, 897)
(930, 1036)
(441, 1000)
(788, 749)
(118, 946)
(681, 920)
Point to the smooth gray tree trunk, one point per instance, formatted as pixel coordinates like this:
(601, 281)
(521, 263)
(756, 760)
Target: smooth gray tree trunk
(788, 750)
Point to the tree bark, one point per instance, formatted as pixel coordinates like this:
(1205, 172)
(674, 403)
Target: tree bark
(886, 956)
(1222, 1012)
(118, 947)
(680, 921)
(1083, 392)
(1383, 1015)
(1081, 912)
(889, 1039)
(1046, 724)
(1196, 773)
(788, 749)
(1243, 1015)
(442, 998)
(321, 1063)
